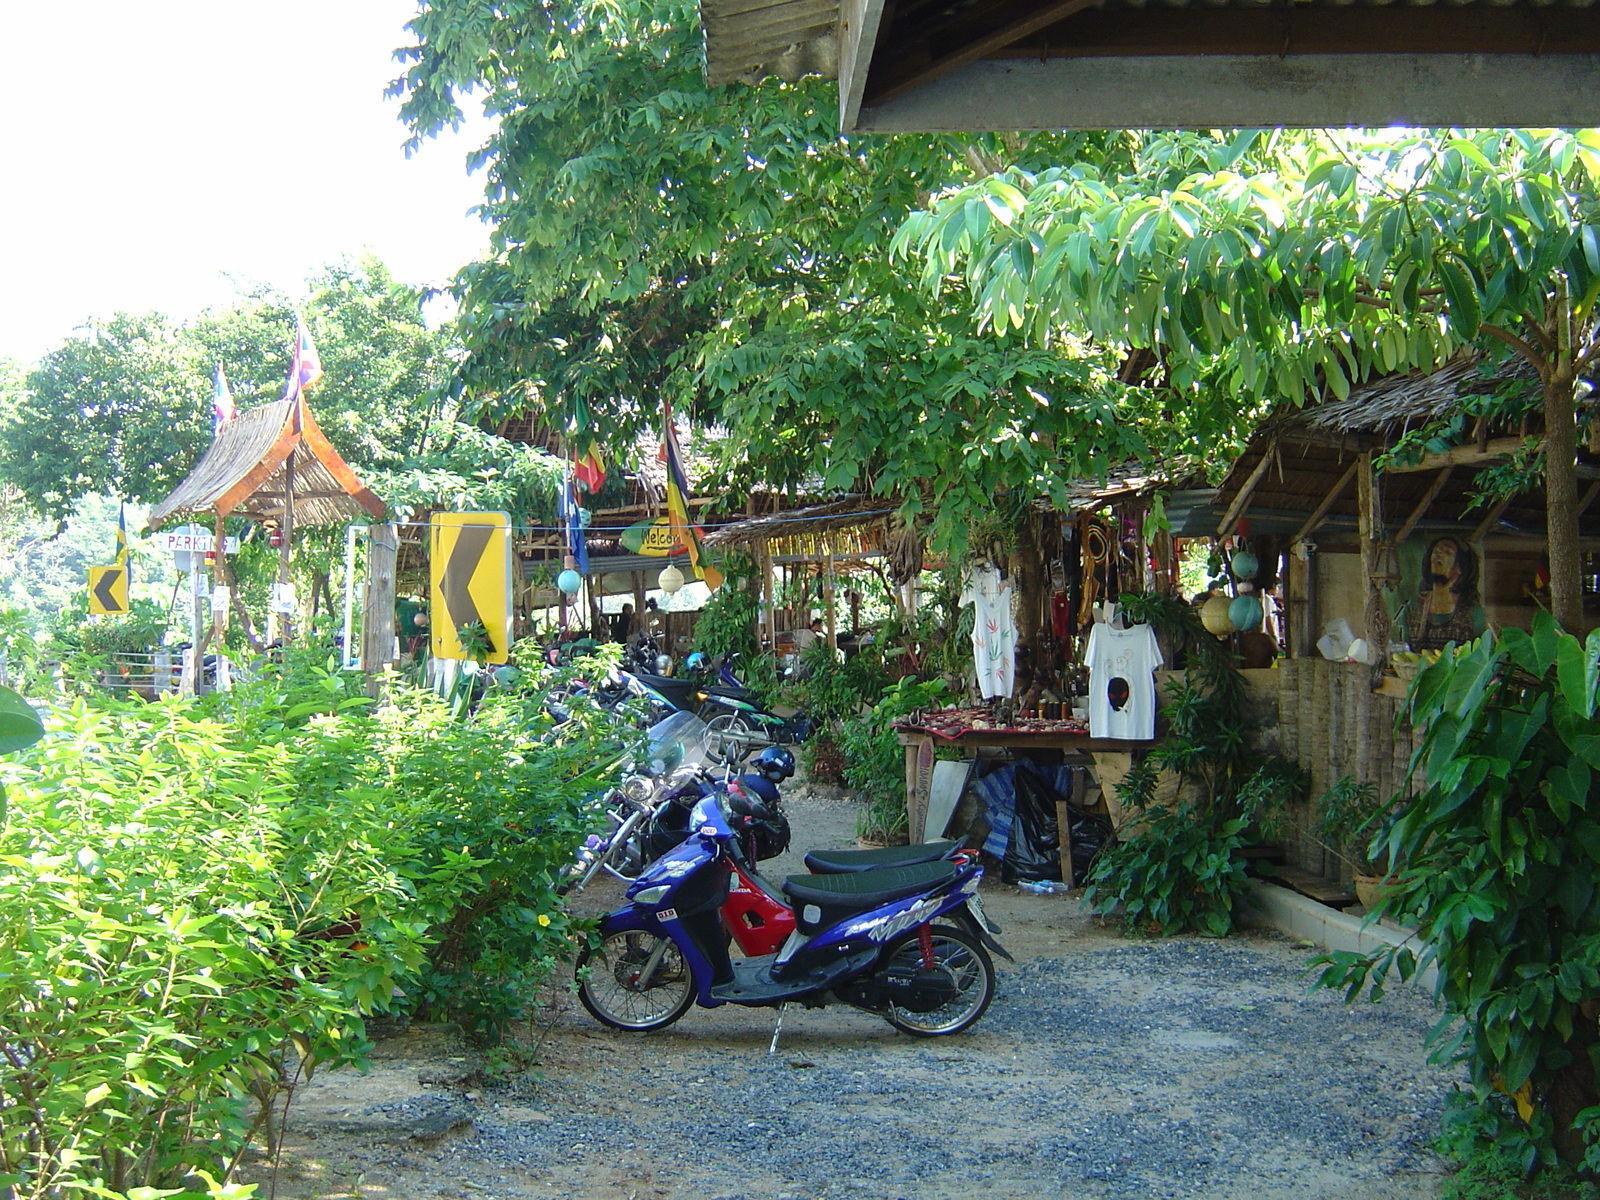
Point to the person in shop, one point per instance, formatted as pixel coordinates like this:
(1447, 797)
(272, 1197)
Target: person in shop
(622, 624)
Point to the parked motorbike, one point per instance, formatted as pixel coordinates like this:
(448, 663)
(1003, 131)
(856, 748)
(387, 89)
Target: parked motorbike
(622, 813)
(907, 943)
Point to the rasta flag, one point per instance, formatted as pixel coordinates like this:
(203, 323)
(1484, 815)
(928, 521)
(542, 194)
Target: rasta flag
(678, 506)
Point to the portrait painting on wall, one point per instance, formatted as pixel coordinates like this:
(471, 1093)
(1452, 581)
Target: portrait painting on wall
(1438, 600)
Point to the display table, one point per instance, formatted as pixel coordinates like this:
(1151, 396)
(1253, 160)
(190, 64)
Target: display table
(972, 728)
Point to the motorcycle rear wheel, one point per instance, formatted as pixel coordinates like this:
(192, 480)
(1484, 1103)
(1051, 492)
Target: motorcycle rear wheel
(963, 958)
(611, 989)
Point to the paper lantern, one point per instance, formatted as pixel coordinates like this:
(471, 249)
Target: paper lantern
(671, 578)
(1245, 565)
(1214, 616)
(569, 581)
(1244, 613)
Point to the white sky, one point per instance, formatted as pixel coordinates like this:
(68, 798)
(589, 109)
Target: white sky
(148, 150)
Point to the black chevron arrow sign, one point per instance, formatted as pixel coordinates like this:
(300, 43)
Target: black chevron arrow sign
(465, 556)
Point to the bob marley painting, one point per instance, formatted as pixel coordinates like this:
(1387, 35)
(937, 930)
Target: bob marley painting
(1439, 593)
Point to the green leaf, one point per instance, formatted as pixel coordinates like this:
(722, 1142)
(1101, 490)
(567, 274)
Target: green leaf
(20, 726)
(1461, 298)
(1577, 673)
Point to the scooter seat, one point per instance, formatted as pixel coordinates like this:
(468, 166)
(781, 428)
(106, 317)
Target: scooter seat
(823, 900)
(680, 692)
(847, 862)
(734, 693)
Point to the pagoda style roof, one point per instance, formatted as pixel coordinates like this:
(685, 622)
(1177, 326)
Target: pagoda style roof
(244, 473)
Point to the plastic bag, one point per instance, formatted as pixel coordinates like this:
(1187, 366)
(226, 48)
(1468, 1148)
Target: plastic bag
(1033, 851)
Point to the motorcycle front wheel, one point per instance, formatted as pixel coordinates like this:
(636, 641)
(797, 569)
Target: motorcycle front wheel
(733, 732)
(634, 981)
(964, 962)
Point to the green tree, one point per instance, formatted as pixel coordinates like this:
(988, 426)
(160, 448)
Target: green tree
(1263, 267)
(725, 250)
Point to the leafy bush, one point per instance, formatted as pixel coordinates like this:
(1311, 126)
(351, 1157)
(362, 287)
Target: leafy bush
(198, 898)
(875, 761)
(1498, 859)
(1183, 869)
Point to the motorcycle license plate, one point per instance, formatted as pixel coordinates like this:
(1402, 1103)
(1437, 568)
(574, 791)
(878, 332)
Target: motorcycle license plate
(976, 906)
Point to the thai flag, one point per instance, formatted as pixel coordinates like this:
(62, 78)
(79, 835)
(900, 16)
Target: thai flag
(223, 408)
(305, 368)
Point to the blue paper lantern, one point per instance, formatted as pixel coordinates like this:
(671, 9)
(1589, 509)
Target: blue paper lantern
(1244, 613)
(569, 581)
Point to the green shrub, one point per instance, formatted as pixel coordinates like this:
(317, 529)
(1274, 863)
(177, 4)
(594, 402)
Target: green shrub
(1498, 863)
(875, 760)
(197, 898)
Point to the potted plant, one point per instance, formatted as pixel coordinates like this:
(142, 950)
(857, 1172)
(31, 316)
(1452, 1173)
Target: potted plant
(1347, 818)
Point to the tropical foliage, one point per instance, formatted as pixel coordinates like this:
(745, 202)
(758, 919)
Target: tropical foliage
(725, 250)
(201, 901)
(1267, 267)
(1498, 864)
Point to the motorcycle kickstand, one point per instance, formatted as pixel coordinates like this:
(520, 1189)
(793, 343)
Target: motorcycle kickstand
(777, 1029)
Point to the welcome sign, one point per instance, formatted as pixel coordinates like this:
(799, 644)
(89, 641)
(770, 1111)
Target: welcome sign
(652, 538)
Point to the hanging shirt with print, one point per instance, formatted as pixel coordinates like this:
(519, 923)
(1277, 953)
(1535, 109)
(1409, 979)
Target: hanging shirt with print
(1122, 686)
(994, 636)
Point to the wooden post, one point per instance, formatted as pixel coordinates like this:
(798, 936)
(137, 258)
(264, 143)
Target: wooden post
(765, 633)
(377, 606)
(286, 526)
(827, 599)
(1370, 521)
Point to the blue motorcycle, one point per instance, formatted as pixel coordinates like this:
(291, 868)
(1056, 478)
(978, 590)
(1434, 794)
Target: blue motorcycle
(904, 942)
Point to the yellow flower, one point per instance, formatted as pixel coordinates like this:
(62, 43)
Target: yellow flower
(543, 919)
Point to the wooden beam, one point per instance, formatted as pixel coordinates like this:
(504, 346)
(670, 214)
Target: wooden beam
(1423, 505)
(1328, 501)
(1463, 456)
(859, 23)
(1588, 497)
(1236, 509)
(1490, 519)
(1020, 26)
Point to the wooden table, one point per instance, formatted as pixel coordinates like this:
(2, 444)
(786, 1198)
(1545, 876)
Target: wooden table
(1112, 758)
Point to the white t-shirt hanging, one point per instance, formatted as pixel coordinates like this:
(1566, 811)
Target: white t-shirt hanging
(994, 635)
(1122, 685)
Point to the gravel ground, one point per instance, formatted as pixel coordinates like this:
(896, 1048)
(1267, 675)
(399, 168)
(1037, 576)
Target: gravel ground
(1104, 1068)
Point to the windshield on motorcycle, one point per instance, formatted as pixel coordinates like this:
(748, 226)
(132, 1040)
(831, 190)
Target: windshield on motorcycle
(678, 741)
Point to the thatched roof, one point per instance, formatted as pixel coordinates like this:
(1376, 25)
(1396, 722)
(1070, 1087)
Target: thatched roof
(244, 472)
(1397, 402)
(1126, 482)
(846, 513)
(1297, 458)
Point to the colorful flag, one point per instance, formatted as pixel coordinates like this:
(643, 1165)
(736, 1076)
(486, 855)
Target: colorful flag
(678, 506)
(305, 368)
(122, 541)
(590, 470)
(572, 518)
(223, 409)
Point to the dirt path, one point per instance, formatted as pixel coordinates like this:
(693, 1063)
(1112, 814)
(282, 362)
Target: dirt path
(1104, 1068)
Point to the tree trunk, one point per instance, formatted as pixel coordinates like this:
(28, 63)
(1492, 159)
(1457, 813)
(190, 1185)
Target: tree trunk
(1574, 1088)
(1027, 568)
(1561, 497)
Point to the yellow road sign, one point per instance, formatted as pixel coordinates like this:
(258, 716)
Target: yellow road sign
(108, 590)
(469, 570)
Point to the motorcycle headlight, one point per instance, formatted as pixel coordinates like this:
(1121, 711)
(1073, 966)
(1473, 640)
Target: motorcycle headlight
(638, 787)
(652, 895)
